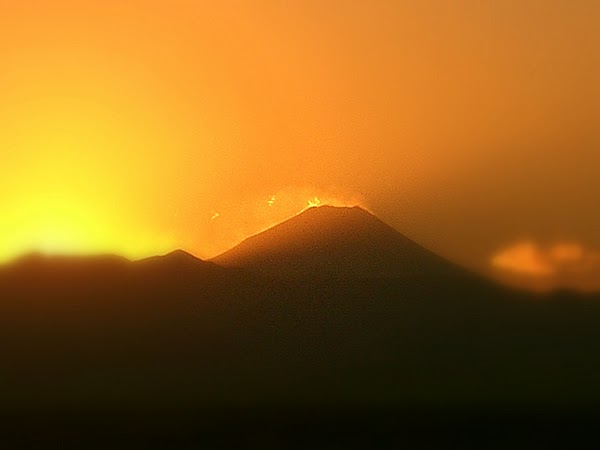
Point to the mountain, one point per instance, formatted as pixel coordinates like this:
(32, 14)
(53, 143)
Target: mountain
(175, 258)
(339, 242)
(177, 261)
(180, 344)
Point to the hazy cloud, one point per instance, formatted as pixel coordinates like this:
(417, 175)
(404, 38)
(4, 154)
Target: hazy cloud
(530, 258)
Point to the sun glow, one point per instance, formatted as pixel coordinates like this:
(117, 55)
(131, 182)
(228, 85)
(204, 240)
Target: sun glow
(314, 202)
(79, 156)
(67, 226)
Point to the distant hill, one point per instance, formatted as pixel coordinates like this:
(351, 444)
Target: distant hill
(339, 242)
(178, 260)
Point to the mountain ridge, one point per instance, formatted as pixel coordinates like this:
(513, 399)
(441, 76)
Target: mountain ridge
(335, 241)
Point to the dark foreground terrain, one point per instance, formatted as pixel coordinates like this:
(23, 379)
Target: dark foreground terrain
(174, 352)
(107, 352)
(304, 429)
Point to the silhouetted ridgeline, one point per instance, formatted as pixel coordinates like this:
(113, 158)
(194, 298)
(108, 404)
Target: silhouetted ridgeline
(178, 337)
(336, 242)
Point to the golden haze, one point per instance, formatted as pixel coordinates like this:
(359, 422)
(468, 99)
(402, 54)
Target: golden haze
(141, 126)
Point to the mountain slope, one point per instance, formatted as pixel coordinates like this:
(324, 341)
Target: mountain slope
(337, 242)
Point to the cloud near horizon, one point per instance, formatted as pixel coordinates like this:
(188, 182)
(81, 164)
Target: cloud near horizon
(531, 259)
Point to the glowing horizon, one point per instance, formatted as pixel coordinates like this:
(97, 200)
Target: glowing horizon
(142, 126)
(60, 229)
(70, 228)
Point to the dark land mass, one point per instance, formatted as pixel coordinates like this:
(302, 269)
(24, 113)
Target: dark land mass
(331, 330)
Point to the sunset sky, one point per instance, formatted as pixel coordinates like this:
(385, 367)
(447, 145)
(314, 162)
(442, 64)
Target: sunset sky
(140, 126)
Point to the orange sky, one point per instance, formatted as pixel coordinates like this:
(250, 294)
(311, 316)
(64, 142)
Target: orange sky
(140, 126)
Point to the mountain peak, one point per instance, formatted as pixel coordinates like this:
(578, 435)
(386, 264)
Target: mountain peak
(180, 255)
(338, 216)
(177, 258)
(333, 241)
(335, 209)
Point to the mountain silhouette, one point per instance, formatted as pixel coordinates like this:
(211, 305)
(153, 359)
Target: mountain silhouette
(176, 258)
(179, 261)
(343, 242)
(370, 323)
